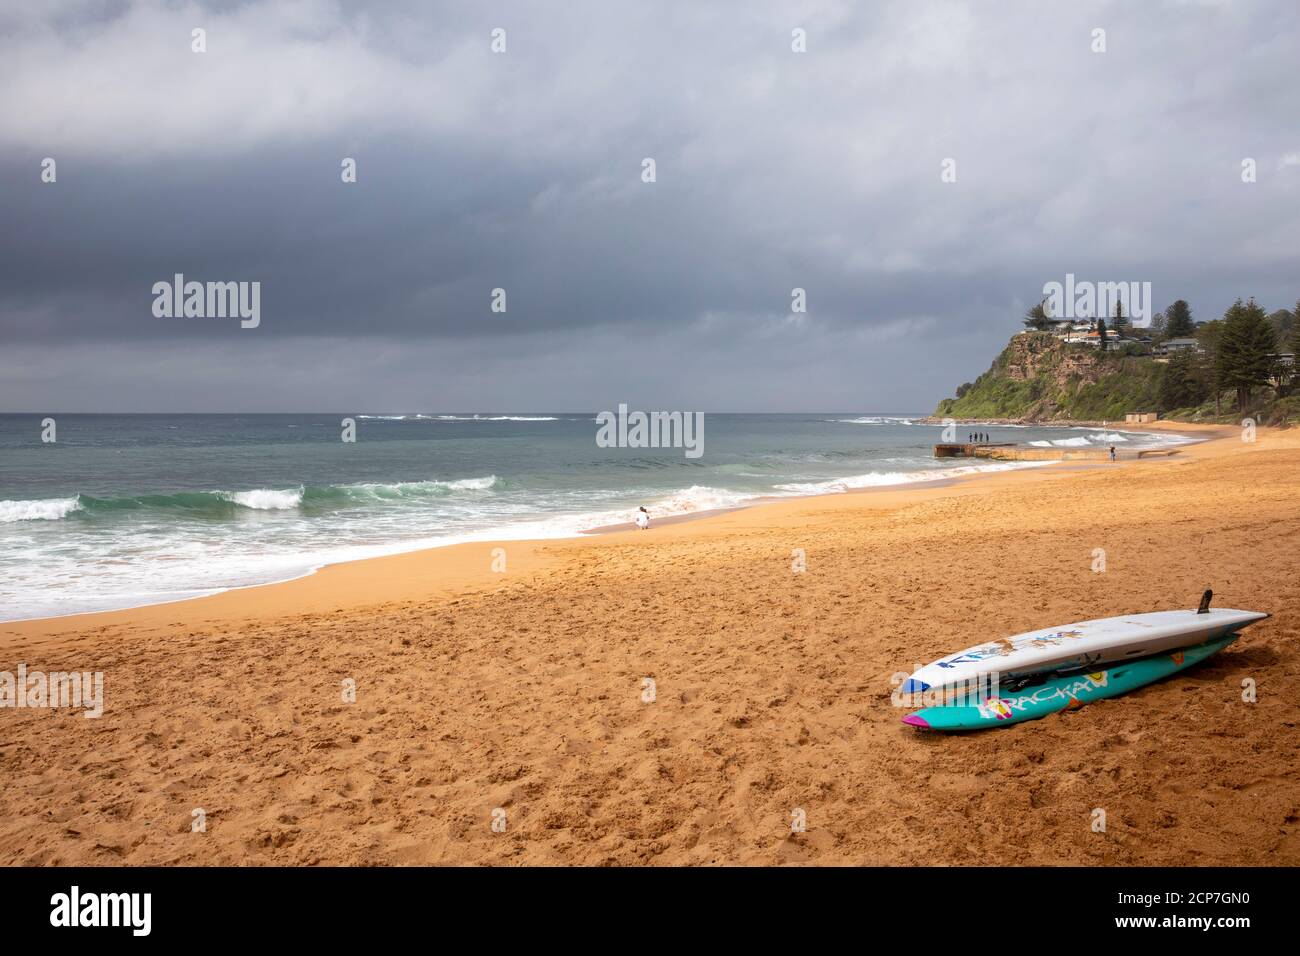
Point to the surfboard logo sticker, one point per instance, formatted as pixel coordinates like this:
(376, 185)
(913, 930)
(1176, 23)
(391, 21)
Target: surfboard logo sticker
(1076, 694)
(1056, 637)
(995, 707)
(1176, 657)
(1006, 646)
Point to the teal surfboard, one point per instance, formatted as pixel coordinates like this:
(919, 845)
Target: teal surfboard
(1058, 693)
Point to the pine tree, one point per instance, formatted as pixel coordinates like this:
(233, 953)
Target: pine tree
(1182, 386)
(1178, 320)
(1101, 333)
(1120, 320)
(1037, 317)
(1247, 353)
(1288, 376)
(1208, 336)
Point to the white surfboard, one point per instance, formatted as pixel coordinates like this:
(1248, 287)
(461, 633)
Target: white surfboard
(1080, 645)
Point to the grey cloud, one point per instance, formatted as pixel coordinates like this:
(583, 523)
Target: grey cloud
(776, 170)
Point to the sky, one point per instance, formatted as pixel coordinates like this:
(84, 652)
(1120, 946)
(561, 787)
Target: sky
(523, 169)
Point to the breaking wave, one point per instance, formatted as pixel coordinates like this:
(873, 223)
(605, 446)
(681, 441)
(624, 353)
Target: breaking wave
(229, 503)
(1079, 441)
(39, 509)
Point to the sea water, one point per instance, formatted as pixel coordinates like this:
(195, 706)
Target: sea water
(126, 510)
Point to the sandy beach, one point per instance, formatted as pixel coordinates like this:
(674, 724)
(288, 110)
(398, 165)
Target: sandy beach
(521, 696)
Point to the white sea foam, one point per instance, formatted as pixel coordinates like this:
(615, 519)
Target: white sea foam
(872, 420)
(494, 418)
(265, 499)
(469, 484)
(696, 498)
(398, 489)
(1078, 441)
(38, 509)
(880, 479)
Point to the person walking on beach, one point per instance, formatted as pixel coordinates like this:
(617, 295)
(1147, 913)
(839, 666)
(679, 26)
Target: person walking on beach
(1112, 452)
(643, 519)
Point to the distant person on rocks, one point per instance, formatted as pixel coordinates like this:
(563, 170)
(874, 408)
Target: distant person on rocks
(643, 519)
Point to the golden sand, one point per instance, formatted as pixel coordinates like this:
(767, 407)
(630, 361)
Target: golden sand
(523, 692)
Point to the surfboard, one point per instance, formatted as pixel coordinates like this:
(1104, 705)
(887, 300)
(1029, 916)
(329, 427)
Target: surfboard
(1058, 693)
(1080, 646)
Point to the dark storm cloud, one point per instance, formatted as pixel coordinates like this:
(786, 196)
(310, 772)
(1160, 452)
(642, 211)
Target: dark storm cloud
(522, 170)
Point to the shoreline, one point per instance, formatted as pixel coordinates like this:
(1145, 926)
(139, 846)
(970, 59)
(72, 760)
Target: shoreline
(457, 572)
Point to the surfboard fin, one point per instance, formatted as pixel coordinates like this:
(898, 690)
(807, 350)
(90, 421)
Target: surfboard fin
(1205, 602)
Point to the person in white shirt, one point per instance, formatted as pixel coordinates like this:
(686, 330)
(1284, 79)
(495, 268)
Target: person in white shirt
(643, 519)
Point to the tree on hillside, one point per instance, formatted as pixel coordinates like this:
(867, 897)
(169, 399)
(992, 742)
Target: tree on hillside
(1120, 319)
(1101, 333)
(1037, 317)
(1289, 375)
(1208, 335)
(1157, 326)
(1284, 377)
(1178, 320)
(1281, 322)
(1247, 353)
(1183, 385)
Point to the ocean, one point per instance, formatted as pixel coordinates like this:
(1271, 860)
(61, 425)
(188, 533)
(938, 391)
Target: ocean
(127, 510)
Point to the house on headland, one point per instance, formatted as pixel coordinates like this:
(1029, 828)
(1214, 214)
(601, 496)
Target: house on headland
(1170, 346)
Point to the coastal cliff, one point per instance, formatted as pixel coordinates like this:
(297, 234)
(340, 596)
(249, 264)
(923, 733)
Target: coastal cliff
(1039, 378)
